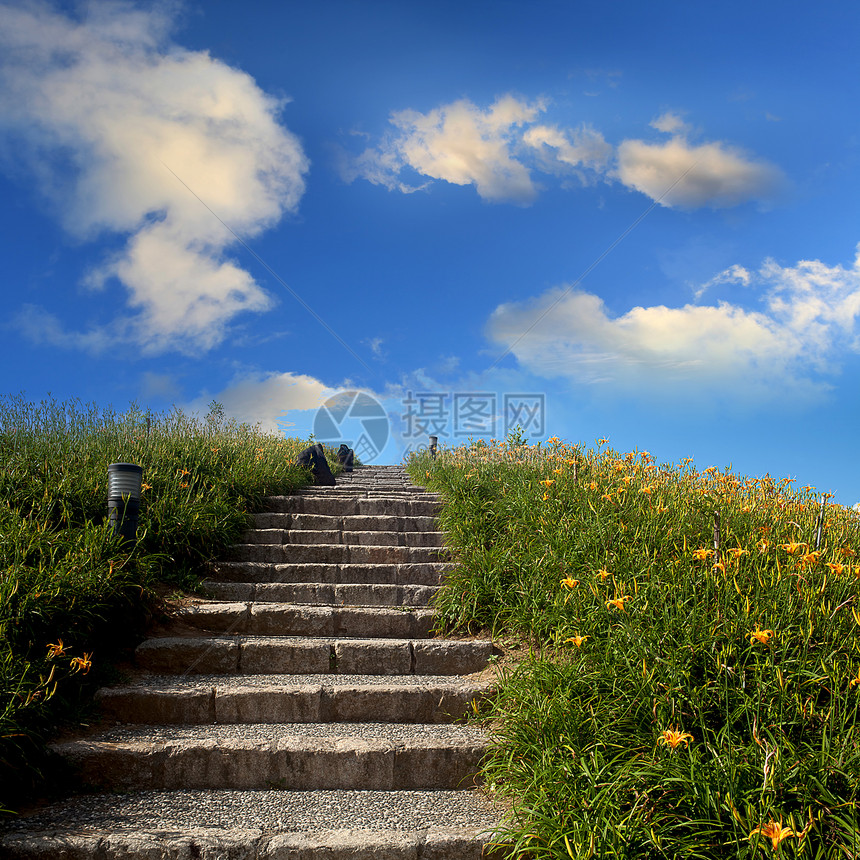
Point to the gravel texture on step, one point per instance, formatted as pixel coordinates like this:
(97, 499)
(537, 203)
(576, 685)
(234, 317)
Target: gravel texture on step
(393, 733)
(228, 681)
(270, 811)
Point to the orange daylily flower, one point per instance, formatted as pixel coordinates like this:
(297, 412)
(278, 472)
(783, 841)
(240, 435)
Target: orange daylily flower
(617, 602)
(774, 831)
(763, 636)
(675, 737)
(835, 567)
(793, 547)
(603, 573)
(737, 552)
(56, 649)
(577, 640)
(82, 663)
(570, 583)
(702, 554)
(548, 482)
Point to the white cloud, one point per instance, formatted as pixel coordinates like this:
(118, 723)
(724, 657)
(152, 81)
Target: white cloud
(733, 275)
(265, 398)
(669, 123)
(458, 143)
(498, 149)
(106, 109)
(584, 148)
(678, 173)
(807, 320)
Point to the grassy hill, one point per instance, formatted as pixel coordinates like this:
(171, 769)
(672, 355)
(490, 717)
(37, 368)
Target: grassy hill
(693, 674)
(72, 598)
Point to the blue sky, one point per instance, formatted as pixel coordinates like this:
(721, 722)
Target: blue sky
(637, 220)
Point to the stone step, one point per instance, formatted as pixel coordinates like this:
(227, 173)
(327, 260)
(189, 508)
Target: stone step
(303, 537)
(209, 699)
(373, 756)
(350, 507)
(351, 594)
(251, 655)
(335, 553)
(258, 825)
(422, 573)
(382, 523)
(293, 619)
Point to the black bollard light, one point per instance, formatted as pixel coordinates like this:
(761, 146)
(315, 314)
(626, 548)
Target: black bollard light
(124, 481)
(434, 442)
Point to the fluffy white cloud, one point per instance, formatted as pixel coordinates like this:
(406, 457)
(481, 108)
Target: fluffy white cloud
(808, 318)
(266, 398)
(678, 173)
(582, 148)
(498, 149)
(125, 130)
(458, 143)
(669, 122)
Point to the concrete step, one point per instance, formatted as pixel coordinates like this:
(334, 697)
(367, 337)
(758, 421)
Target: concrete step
(316, 593)
(302, 537)
(254, 655)
(209, 699)
(381, 523)
(410, 573)
(335, 554)
(293, 619)
(372, 756)
(350, 507)
(258, 825)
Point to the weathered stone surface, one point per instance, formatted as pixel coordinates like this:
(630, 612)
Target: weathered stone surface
(373, 657)
(446, 657)
(152, 705)
(178, 655)
(293, 657)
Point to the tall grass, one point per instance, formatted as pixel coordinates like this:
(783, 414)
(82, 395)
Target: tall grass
(680, 700)
(71, 596)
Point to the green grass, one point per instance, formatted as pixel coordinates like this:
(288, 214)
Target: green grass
(605, 564)
(72, 598)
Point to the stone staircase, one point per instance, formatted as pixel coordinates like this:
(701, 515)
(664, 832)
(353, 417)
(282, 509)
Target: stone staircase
(303, 711)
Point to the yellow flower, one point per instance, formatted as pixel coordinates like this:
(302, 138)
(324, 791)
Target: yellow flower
(737, 552)
(810, 557)
(675, 737)
(545, 497)
(618, 602)
(702, 554)
(607, 496)
(602, 441)
(183, 486)
(836, 567)
(56, 649)
(82, 663)
(847, 552)
(856, 680)
(144, 487)
(577, 640)
(762, 636)
(603, 573)
(774, 831)
(720, 566)
(548, 482)
(628, 479)
(646, 490)
(592, 485)
(793, 547)
(570, 583)
(185, 472)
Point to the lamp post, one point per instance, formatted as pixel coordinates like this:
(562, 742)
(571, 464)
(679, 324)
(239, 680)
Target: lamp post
(434, 441)
(124, 481)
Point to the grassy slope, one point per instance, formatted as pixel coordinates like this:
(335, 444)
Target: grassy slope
(71, 597)
(678, 703)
